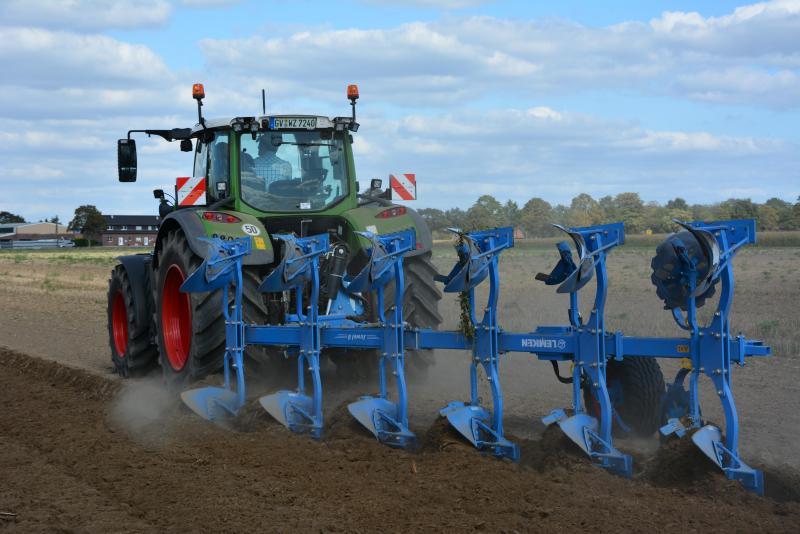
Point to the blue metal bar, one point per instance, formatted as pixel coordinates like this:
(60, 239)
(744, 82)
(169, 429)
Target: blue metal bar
(478, 259)
(222, 271)
(387, 420)
(562, 344)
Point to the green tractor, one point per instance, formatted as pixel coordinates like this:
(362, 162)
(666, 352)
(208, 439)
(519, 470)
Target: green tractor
(256, 177)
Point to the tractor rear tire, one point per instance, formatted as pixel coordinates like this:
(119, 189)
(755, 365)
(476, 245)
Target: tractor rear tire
(420, 309)
(129, 336)
(191, 326)
(640, 383)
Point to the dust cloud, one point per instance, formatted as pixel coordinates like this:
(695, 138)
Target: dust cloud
(145, 410)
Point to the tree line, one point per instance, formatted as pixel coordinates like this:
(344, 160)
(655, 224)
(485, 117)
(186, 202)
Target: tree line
(536, 216)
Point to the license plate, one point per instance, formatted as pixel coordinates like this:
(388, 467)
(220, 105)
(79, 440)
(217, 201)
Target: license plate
(293, 123)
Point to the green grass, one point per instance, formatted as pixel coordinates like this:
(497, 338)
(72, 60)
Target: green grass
(78, 256)
(51, 283)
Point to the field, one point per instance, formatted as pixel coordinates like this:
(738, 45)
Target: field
(86, 451)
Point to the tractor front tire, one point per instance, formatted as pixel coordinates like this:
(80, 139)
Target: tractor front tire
(191, 326)
(129, 336)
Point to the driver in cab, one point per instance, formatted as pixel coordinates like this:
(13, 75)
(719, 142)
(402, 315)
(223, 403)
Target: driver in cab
(268, 166)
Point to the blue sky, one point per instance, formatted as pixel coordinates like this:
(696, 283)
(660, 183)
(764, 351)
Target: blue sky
(517, 99)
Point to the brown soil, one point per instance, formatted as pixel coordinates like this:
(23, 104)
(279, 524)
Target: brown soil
(85, 451)
(71, 463)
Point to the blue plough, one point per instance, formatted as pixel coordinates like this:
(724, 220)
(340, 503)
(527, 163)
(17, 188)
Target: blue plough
(702, 256)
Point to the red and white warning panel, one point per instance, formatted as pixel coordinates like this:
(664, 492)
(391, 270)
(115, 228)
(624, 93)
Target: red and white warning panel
(191, 191)
(404, 186)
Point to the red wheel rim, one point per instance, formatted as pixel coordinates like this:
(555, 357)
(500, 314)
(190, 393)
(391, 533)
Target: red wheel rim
(176, 318)
(119, 323)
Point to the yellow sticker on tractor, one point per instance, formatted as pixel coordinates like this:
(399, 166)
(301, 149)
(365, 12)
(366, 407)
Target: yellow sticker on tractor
(683, 349)
(259, 241)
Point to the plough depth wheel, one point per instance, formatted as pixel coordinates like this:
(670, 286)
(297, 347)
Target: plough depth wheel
(635, 387)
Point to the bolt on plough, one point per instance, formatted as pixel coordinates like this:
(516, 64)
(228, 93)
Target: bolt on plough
(689, 267)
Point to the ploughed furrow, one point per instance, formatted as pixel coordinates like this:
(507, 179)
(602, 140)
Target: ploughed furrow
(73, 460)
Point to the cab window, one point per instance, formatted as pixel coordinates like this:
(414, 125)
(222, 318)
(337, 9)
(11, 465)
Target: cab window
(218, 165)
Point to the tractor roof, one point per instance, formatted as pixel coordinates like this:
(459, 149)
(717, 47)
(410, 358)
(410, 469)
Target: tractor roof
(322, 121)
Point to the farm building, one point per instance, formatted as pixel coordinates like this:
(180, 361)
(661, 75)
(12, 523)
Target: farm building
(130, 230)
(33, 231)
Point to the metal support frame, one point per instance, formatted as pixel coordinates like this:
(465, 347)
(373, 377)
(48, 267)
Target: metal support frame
(711, 351)
(298, 269)
(479, 253)
(585, 343)
(387, 420)
(222, 270)
(591, 432)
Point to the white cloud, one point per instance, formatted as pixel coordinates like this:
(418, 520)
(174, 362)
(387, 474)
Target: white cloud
(522, 153)
(512, 154)
(54, 59)
(751, 57)
(474, 84)
(85, 15)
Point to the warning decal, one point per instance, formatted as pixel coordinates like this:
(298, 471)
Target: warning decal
(404, 186)
(191, 191)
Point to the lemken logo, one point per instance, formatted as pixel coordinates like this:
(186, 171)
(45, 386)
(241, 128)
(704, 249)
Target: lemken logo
(543, 343)
(356, 337)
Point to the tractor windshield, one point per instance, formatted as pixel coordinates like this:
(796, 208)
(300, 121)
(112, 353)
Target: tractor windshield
(292, 171)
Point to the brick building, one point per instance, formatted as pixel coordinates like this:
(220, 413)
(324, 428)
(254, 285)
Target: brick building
(130, 230)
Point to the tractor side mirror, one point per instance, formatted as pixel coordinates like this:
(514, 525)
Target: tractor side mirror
(126, 160)
(375, 184)
(158, 193)
(186, 145)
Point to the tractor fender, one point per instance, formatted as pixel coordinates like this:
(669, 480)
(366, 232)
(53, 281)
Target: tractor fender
(364, 218)
(138, 267)
(424, 235)
(195, 227)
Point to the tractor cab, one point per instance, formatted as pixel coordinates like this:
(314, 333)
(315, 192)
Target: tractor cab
(261, 176)
(274, 164)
